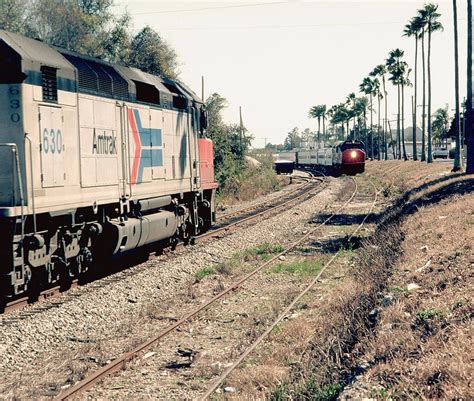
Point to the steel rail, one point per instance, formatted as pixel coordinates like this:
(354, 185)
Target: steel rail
(285, 312)
(227, 227)
(121, 361)
(231, 215)
(49, 293)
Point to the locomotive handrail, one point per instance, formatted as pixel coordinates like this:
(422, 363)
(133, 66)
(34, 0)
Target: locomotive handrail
(27, 138)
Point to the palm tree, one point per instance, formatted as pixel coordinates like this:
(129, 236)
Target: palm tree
(379, 97)
(413, 29)
(381, 71)
(440, 126)
(340, 114)
(350, 101)
(457, 154)
(318, 112)
(422, 22)
(368, 86)
(430, 16)
(404, 81)
(360, 110)
(396, 68)
(469, 112)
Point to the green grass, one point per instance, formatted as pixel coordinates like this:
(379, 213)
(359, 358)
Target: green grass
(262, 252)
(304, 249)
(429, 314)
(305, 267)
(204, 272)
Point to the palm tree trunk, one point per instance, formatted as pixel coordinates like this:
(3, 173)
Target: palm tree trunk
(391, 140)
(385, 151)
(469, 133)
(415, 157)
(423, 115)
(371, 127)
(403, 124)
(378, 127)
(430, 155)
(319, 131)
(399, 149)
(457, 154)
(324, 128)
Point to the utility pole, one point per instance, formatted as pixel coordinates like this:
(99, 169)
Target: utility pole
(241, 131)
(457, 155)
(202, 88)
(469, 133)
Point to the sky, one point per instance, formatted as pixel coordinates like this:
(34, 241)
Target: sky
(276, 59)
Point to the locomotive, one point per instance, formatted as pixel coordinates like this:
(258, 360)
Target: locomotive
(96, 160)
(347, 157)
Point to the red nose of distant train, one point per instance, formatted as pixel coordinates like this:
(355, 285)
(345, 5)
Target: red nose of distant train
(353, 161)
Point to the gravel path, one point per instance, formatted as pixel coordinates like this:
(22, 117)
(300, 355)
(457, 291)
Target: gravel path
(43, 345)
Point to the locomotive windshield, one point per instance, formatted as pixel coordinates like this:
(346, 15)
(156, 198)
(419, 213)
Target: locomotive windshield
(352, 145)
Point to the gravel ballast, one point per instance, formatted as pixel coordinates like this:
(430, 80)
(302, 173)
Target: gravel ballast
(47, 338)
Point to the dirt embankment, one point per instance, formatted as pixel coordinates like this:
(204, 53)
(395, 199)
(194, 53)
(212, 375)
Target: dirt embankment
(420, 346)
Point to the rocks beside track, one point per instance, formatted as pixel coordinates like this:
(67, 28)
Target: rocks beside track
(42, 343)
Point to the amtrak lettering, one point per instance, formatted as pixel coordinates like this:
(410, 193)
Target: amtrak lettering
(104, 144)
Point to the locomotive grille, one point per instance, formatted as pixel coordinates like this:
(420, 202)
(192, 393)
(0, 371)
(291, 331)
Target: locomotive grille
(119, 85)
(99, 78)
(49, 84)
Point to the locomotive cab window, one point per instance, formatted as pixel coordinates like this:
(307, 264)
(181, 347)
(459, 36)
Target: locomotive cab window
(49, 83)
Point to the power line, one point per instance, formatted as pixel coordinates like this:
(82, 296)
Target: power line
(207, 28)
(210, 8)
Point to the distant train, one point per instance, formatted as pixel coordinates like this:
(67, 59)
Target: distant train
(347, 157)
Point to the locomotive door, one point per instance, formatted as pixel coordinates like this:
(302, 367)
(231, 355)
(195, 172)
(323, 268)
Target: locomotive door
(52, 146)
(124, 189)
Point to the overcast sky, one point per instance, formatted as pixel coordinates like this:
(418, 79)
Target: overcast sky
(276, 59)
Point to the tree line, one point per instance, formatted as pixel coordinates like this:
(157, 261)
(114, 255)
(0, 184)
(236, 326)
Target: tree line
(90, 27)
(377, 136)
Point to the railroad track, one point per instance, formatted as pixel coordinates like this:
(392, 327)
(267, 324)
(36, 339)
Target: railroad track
(121, 361)
(267, 203)
(220, 380)
(243, 217)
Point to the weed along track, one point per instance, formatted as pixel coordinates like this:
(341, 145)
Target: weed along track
(225, 225)
(229, 305)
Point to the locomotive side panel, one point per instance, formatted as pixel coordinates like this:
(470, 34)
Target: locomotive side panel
(100, 143)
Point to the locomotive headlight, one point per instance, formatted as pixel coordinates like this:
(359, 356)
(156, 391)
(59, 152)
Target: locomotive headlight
(353, 154)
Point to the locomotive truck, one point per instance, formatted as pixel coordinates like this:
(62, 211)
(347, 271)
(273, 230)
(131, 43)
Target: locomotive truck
(96, 160)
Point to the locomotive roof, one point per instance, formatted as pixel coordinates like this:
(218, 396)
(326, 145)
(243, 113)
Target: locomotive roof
(72, 68)
(35, 53)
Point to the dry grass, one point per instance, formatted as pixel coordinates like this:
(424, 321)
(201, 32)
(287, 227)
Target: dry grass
(423, 346)
(254, 182)
(418, 346)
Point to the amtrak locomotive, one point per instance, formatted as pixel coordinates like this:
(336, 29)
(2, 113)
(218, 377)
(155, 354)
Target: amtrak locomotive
(96, 160)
